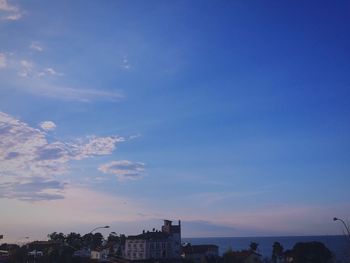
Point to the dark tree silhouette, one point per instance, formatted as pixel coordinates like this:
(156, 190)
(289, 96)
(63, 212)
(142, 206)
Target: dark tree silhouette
(87, 240)
(113, 237)
(311, 252)
(277, 251)
(97, 240)
(56, 237)
(254, 246)
(74, 240)
(92, 240)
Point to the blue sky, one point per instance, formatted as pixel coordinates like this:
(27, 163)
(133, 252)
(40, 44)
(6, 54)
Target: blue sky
(232, 116)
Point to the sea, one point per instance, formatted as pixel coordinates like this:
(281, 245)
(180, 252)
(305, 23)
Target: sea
(339, 245)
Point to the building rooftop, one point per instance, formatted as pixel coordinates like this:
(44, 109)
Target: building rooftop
(157, 235)
(198, 249)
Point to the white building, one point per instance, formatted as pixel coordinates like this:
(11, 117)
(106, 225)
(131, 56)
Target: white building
(165, 244)
(100, 254)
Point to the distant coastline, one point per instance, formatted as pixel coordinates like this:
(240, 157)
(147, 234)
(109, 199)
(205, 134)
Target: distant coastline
(338, 244)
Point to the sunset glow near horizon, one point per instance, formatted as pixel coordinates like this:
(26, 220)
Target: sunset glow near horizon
(231, 116)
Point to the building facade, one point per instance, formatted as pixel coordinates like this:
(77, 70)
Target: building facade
(198, 253)
(160, 245)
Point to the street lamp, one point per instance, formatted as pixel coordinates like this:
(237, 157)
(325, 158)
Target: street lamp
(98, 228)
(345, 225)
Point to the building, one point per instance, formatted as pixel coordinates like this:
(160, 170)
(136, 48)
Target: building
(100, 254)
(159, 245)
(174, 232)
(35, 253)
(107, 251)
(197, 253)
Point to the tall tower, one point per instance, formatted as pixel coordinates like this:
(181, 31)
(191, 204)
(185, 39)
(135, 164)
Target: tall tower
(174, 232)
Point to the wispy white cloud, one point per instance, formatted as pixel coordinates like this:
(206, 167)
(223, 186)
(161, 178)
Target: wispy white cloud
(49, 71)
(94, 146)
(71, 94)
(32, 189)
(9, 11)
(85, 207)
(46, 89)
(125, 64)
(5, 6)
(26, 68)
(47, 125)
(26, 155)
(36, 47)
(13, 17)
(124, 170)
(134, 136)
(42, 81)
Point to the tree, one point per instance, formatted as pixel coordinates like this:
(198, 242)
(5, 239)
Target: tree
(311, 252)
(277, 252)
(74, 240)
(254, 246)
(113, 237)
(97, 240)
(92, 240)
(56, 237)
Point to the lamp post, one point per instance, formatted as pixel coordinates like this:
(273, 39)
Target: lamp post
(345, 225)
(98, 228)
(91, 235)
